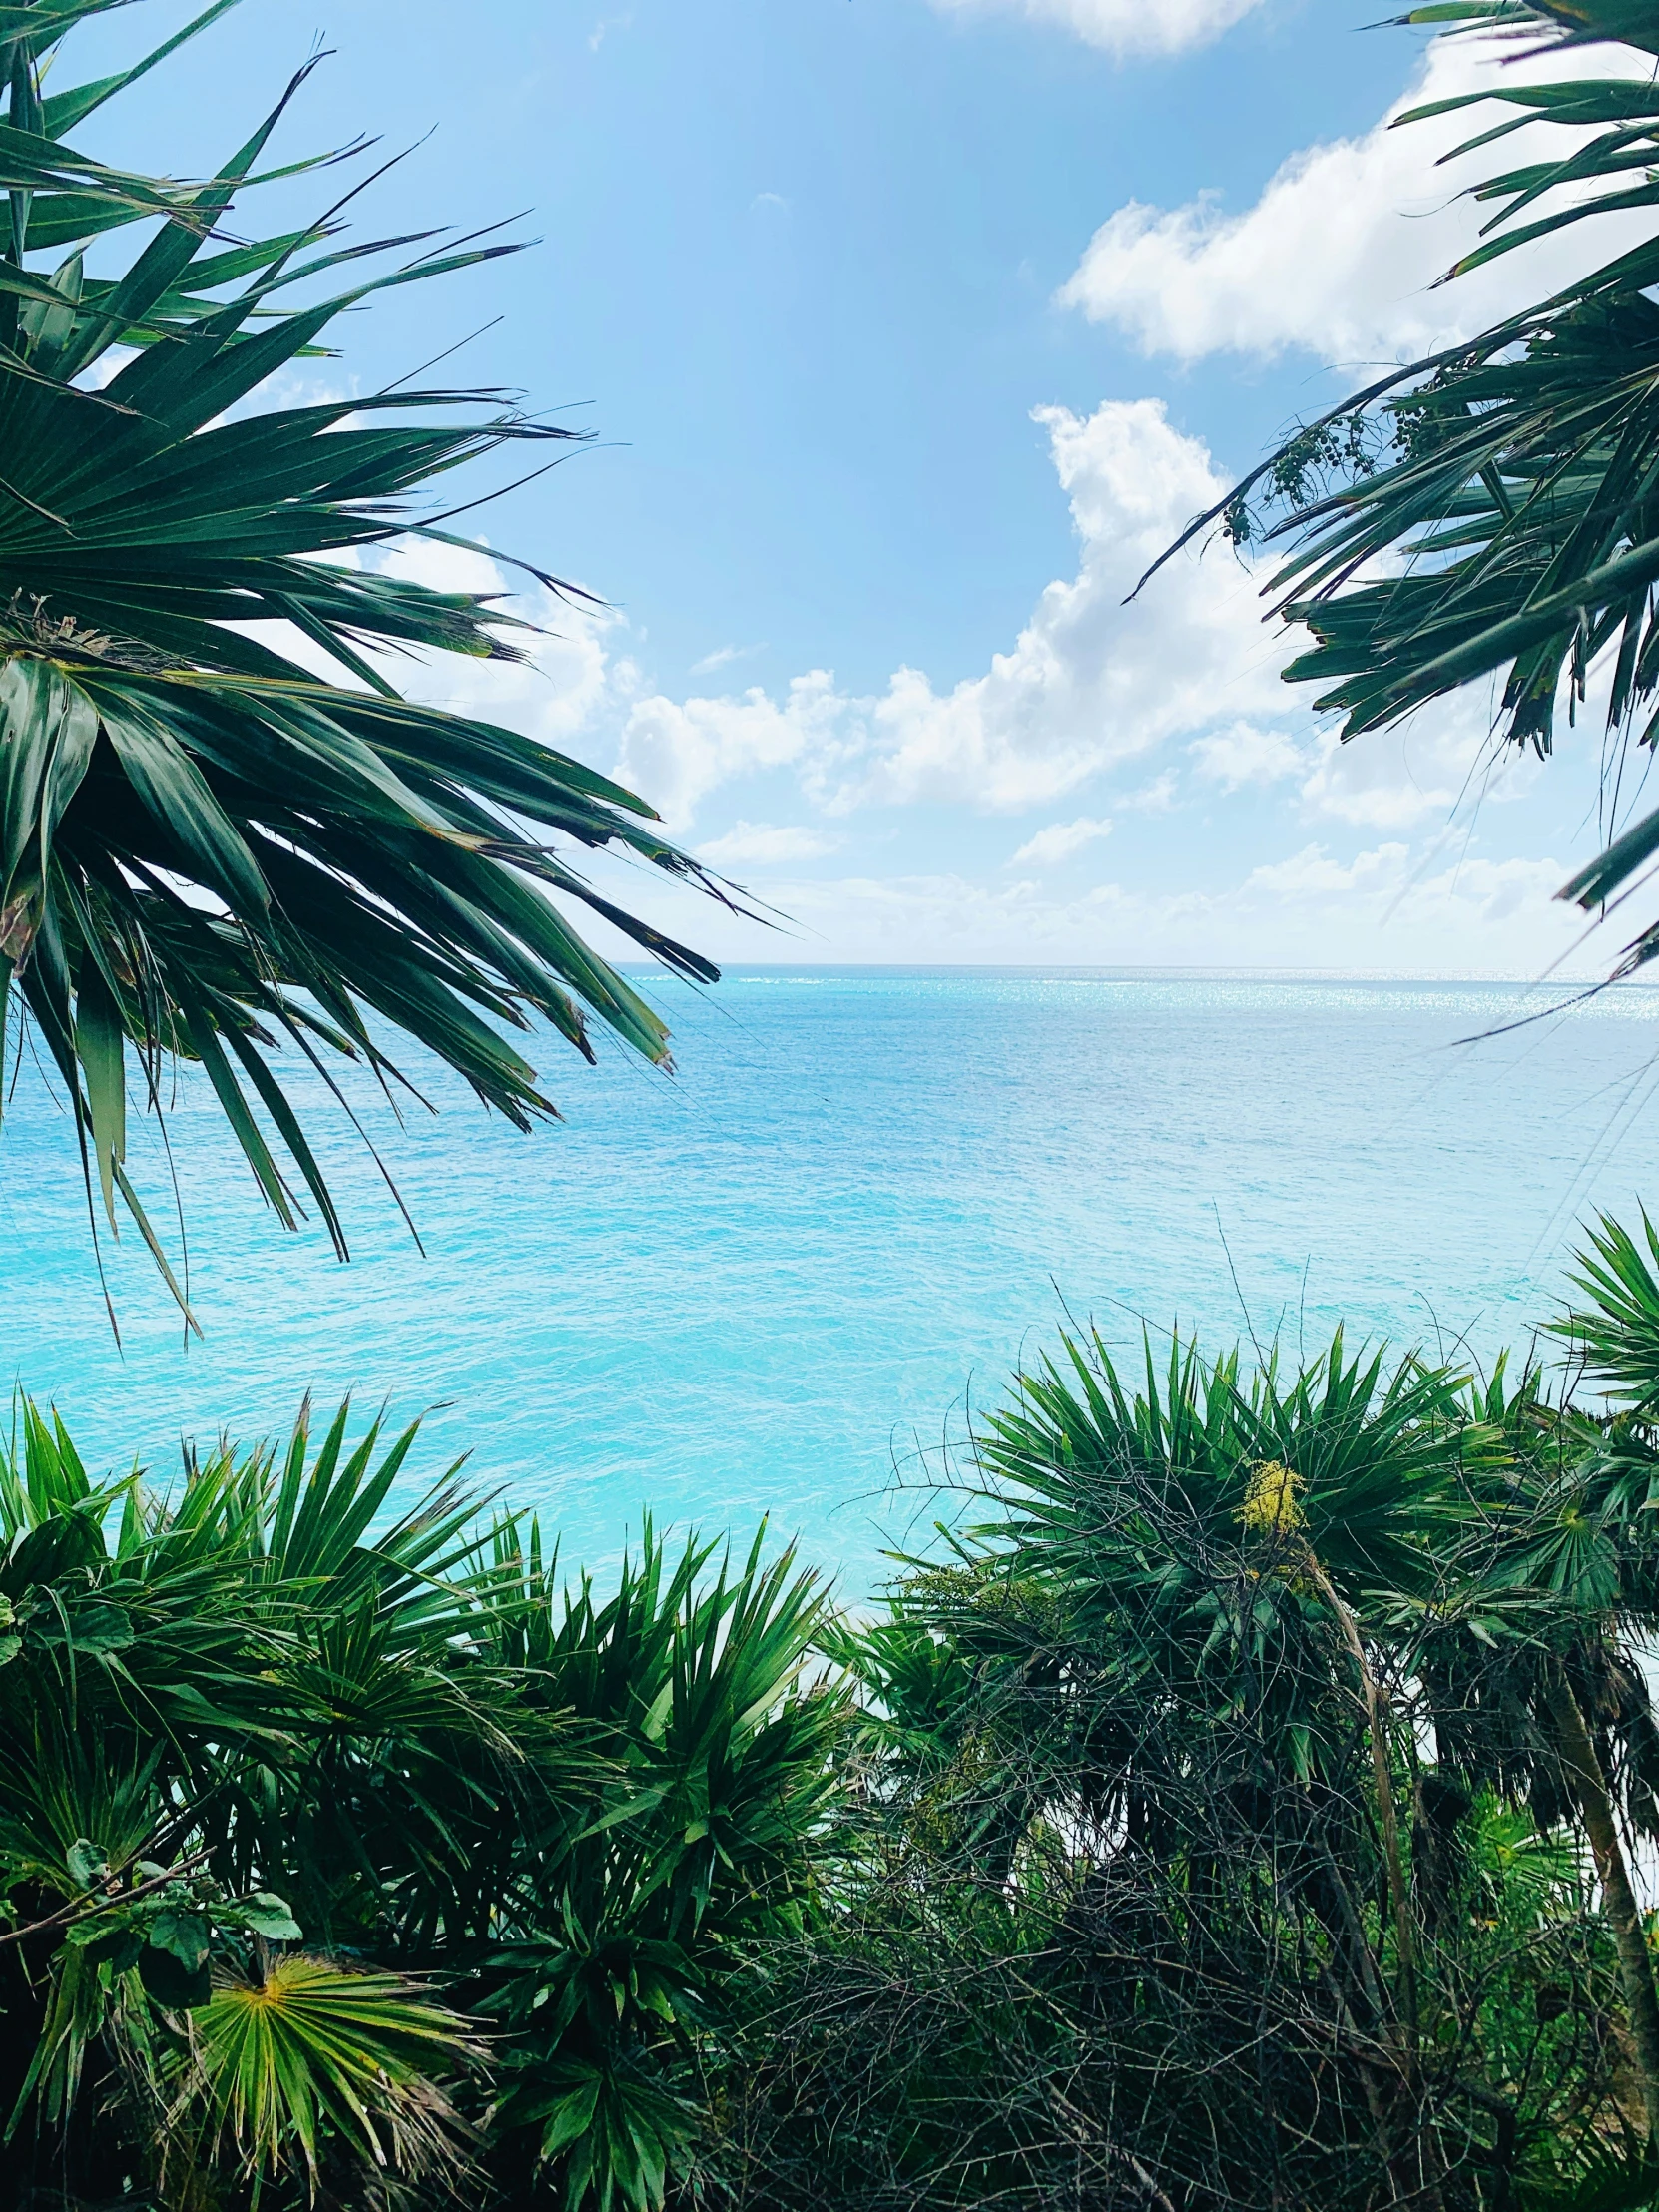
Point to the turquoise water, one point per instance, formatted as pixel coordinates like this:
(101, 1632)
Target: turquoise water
(770, 1283)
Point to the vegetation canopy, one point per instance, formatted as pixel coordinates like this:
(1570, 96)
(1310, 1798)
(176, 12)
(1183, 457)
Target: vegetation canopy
(1236, 1809)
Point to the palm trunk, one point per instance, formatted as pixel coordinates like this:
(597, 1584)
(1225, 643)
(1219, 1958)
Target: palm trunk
(1388, 1812)
(1425, 2188)
(1641, 1998)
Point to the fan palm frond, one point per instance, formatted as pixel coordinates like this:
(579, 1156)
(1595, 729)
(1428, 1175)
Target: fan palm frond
(313, 2052)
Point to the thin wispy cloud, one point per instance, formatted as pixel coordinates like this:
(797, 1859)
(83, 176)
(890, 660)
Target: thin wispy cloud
(722, 656)
(1060, 841)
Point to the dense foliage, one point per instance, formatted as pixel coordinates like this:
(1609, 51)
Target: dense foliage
(1236, 1811)
(318, 1848)
(208, 851)
(1488, 510)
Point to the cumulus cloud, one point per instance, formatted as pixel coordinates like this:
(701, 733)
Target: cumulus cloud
(1120, 26)
(1479, 896)
(681, 750)
(764, 844)
(1434, 766)
(1339, 250)
(572, 673)
(1060, 840)
(1440, 764)
(1087, 688)
(1089, 683)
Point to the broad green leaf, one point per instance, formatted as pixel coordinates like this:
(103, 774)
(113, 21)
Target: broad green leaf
(185, 1936)
(267, 1916)
(87, 1864)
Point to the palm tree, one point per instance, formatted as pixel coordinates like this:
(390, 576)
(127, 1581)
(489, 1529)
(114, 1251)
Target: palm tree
(697, 1683)
(1156, 1890)
(1533, 1668)
(1175, 1610)
(206, 850)
(1491, 506)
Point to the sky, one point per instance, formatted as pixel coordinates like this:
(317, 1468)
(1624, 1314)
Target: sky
(907, 332)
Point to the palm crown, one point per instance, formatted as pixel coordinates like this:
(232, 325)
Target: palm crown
(1488, 510)
(207, 850)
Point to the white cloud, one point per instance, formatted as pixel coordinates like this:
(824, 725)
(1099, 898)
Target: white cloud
(680, 752)
(1156, 798)
(1479, 896)
(1122, 26)
(1393, 907)
(722, 656)
(762, 844)
(1087, 685)
(1242, 754)
(569, 677)
(1091, 683)
(1441, 764)
(1339, 251)
(1312, 874)
(1060, 840)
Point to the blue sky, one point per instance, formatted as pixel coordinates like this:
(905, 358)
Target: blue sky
(908, 330)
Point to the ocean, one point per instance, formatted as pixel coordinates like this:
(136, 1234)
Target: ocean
(776, 1283)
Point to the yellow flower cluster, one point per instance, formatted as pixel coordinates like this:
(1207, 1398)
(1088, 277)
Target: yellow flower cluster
(1270, 1508)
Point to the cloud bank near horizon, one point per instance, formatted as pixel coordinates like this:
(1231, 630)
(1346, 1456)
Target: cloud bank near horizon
(1183, 685)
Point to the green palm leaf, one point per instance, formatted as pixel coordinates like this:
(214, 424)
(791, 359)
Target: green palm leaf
(313, 2051)
(1492, 508)
(206, 851)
